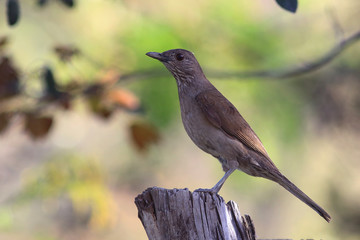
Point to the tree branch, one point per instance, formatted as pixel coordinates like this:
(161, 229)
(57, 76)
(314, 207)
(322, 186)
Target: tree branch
(271, 74)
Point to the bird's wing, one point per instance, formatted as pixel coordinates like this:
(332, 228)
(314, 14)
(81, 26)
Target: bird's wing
(221, 113)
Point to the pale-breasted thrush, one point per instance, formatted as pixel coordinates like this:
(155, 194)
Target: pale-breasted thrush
(216, 126)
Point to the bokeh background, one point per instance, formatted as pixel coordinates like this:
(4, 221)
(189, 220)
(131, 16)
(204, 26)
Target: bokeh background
(75, 153)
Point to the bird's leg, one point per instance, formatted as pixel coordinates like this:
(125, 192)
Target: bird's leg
(218, 185)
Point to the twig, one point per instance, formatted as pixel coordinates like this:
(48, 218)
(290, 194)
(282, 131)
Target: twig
(298, 70)
(270, 74)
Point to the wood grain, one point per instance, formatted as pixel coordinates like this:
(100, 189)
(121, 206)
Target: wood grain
(181, 214)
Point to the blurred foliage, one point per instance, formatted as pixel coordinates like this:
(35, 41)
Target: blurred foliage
(77, 179)
(102, 98)
(5, 220)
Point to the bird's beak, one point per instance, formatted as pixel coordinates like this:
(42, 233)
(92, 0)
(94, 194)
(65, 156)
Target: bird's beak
(157, 56)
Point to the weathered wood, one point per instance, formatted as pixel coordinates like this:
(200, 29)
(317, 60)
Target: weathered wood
(181, 214)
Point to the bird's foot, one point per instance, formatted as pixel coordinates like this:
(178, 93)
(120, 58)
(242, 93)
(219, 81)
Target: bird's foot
(208, 190)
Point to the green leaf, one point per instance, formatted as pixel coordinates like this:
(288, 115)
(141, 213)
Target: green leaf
(290, 5)
(13, 12)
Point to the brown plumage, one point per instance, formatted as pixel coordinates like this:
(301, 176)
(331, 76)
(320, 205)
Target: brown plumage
(216, 126)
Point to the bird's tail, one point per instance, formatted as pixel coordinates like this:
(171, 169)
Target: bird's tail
(283, 181)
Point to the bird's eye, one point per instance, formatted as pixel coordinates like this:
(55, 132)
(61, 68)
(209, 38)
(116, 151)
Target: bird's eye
(179, 57)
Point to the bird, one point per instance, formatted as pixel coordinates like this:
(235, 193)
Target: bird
(216, 126)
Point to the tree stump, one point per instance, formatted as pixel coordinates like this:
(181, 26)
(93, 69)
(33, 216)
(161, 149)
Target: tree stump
(181, 214)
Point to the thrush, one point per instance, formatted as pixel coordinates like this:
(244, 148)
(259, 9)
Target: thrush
(215, 126)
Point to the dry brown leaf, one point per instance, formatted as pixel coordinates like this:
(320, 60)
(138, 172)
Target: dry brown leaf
(38, 126)
(110, 76)
(66, 53)
(93, 90)
(71, 86)
(65, 101)
(4, 121)
(143, 134)
(104, 112)
(124, 98)
(9, 82)
(3, 41)
(99, 108)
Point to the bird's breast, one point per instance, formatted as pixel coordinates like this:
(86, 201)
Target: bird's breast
(200, 130)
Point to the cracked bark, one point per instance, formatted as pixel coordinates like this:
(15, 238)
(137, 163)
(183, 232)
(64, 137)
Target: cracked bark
(181, 214)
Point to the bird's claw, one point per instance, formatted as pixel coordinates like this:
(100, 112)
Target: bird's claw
(208, 190)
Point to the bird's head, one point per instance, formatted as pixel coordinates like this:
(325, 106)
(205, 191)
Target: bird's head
(181, 63)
